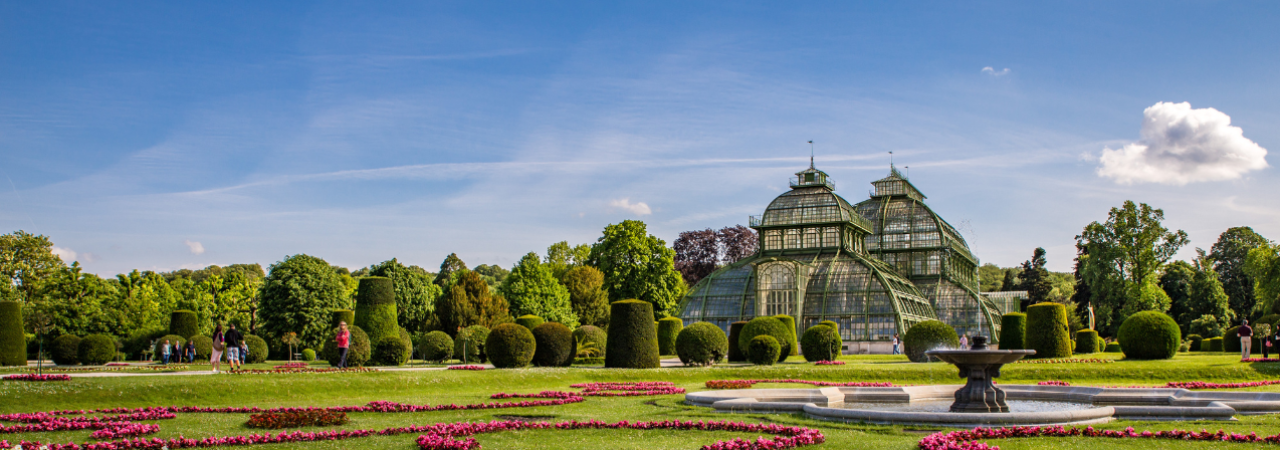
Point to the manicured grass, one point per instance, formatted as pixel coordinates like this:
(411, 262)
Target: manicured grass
(442, 386)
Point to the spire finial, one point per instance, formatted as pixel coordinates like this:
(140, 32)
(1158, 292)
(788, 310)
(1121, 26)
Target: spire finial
(890, 160)
(810, 154)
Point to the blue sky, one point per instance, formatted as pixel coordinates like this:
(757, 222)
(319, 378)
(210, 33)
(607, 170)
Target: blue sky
(177, 135)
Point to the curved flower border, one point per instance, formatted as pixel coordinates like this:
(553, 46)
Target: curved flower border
(724, 384)
(968, 440)
(34, 377)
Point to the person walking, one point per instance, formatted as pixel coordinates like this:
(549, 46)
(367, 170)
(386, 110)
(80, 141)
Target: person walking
(1246, 339)
(344, 342)
(219, 344)
(234, 339)
(897, 345)
(964, 342)
(1265, 343)
(190, 354)
(165, 351)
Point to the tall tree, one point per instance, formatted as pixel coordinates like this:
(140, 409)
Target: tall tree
(1010, 280)
(1035, 278)
(416, 293)
(451, 264)
(1082, 296)
(1176, 281)
(532, 289)
(25, 260)
(638, 265)
(990, 277)
(587, 295)
(299, 296)
(737, 242)
(492, 274)
(697, 253)
(468, 303)
(73, 302)
(1124, 254)
(1207, 296)
(1228, 255)
(1263, 265)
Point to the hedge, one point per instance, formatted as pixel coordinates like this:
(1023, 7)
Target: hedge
(204, 347)
(701, 344)
(389, 351)
(468, 345)
(529, 321)
(436, 346)
(65, 351)
(1113, 347)
(735, 351)
(343, 315)
(1087, 341)
(510, 346)
(376, 308)
(821, 343)
(1231, 342)
(1047, 330)
(1149, 335)
(358, 351)
(177, 342)
(763, 350)
(308, 355)
(13, 342)
(591, 337)
(96, 349)
(184, 323)
(555, 346)
(832, 324)
(1195, 340)
(771, 326)
(632, 338)
(791, 344)
(928, 335)
(1013, 331)
(1215, 344)
(257, 349)
(668, 329)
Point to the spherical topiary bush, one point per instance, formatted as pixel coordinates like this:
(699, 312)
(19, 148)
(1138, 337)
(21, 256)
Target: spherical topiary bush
(763, 350)
(184, 323)
(1230, 341)
(408, 344)
(436, 346)
(257, 349)
(376, 312)
(510, 346)
(701, 344)
(1047, 330)
(13, 343)
(591, 340)
(1087, 341)
(204, 347)
(770, 326)
(1113, 347)
(468, 345)
(358, 351)
(1214, 344)
(1194, 342)
(1149, 335)
(96, 349)
(820, 343)
(175, 346)
(633, 339)
(1013, 331)
(308, 355)
(389, 351)
(668, 329)
(792, 342)
(832, 324)
(555, 345)
(343, 315)
(66, 349)
(529, 321)
(735, 351)
(928, 335)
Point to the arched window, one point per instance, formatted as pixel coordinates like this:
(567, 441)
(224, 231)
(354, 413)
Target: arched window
(778, 287)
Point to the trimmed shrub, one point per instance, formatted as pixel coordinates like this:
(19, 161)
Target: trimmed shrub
(376, 308)
(555, 346)
(668, 329)
(735, 351)
(832, 324)
(177, 342)
(389, 351)
(1215, 344)
(633, 339)
(184, 323)
(204, 347)
(928, 335)
(820, 343)
(408, 344)
(65, 350)
(763, 350)
(1149, 335)
(1194, 340)
(436, 346)
(257, 349)
(1184, 347)
(1013, 331)
(1047, 330)
(96, 349)
(529, 321)
(1087, 341)
(701, 344)
(1113, 347)
(790, 323)
(342, 315)
(510, 346)
(358, 352)
(308, 355)
(1231, 342)
(13, 342)
(1269, 319)
(770, 326)
(468, 345)
(591, 337)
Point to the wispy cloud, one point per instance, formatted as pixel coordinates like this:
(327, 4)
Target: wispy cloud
(638, 208)
(195, 247)
(995, 73)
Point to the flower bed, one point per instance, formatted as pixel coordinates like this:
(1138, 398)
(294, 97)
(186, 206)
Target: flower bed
(626, 389)
(789, 380)
(292, 365)
(295, 419)
(967, 440)
(1260, 360)
(1053, 383)
(470, 367)
(1066, 361)
(1181, 384)
(34, 377)
(156, 368)
(729, 384)
(829, 363)
(299, 370)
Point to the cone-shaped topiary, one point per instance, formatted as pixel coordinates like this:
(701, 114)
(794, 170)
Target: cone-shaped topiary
(633, 339)
(343, 315)
(821, 343)
(184, 323)
(763, 350)
(1087, 341)
(555, 345)
(204, 347)
(1113, 347)
(408, 344)
(437, 346)
(510, 346)
(792, 341)
(591, 339)
(1047, 330)
(1013, 331)
(358, 352)
(529, 321)
(701, 344)
(1149, 335)
(1231, 341)
(376, 308)
(1214, 344)
(468, 346)
(13, 343)
(1194, 340)
(389, 351)
(257, 349)
(96, 349)
(767, 325)
(66, 349)
(308, 355)
(928, 335)
(668, 329)
(735, 351)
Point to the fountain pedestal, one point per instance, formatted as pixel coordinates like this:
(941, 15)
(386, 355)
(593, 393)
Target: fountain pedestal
(981, 367)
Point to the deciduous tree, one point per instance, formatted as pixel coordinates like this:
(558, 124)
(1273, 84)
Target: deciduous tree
(1124, 254)
(587, 295)
(299, 295)
(416, 293)
(1228, 255)
(25, 260)
(468, 303)
(532, 289)
(638, 265)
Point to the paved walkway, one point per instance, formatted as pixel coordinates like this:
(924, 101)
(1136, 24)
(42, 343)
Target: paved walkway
(670, 363)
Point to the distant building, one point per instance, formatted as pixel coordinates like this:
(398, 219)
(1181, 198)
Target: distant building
(1008, 301)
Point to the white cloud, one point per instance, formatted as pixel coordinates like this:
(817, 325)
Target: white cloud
(995, 73)
(196, 247)
(66, 254)
(1182, 145)
(637, 208)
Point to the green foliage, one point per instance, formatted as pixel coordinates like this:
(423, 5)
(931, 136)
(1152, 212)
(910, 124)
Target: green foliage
(1214, 344)
(555, 345)
(140, 341)
(763, 350)
(1149, 335)
(390, 351)
(96, 349)
(1176, 281)
(1207, 297)
(591, 338)
(668, 329)
(790, 323)
(494, 274)
(468, 302)
(1195, 341)
(701, 344)
(1122, 255)
(1207, 326)
(342, 315)
(436, 346)
(735, 334)
(831, 324)
(308, 355)
(561, 258)
(821, 343)
(633, 340)
(1263, 266)
(637, 265)
(1035, 278)
(13, 342)
(928, 335)
(204, 347)
(451, 264)
(587, 295)
(1047, 330)
(257, 349)
(376, 308)
(771, 326)
(531, 288)
(1013, 331)
(468, 345)
(26, 261)
(1113, 347)
(184, 323)
(299, 295)
(1229, 255)
(1231, 341)
(529, 321)
(358, 352)
(510, 346)
(1087, 341)
(65, 350)
(176, 342)
(416, 293)
(1271, 319)
(990, 278)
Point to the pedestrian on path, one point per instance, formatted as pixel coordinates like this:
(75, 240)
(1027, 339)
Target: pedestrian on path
(233, 340)
(1246, 339)
(897, 345)
(165, 350)
(344, 342)
(219, 344)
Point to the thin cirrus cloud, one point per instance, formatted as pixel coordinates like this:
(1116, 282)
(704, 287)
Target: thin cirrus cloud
(1183, 145)
(195, 247)
(995, 73)
(637, 208)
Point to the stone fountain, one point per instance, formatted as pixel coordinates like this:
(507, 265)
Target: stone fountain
(981, 366)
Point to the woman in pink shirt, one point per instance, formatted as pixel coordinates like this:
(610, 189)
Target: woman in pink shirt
(344, 342)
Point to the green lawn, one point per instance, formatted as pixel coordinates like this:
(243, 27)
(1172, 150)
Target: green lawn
(434, 387)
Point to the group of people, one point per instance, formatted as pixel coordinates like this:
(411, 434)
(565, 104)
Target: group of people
(1268, 343)
(171, 352)
(230, 342)
(897, 343)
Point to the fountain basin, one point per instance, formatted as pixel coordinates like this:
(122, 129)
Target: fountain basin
(981, 367)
